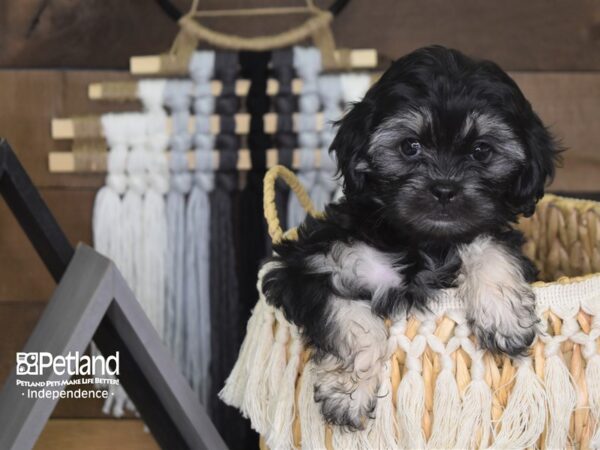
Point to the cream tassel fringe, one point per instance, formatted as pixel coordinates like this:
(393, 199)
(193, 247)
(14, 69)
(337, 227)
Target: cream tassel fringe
(255, 402)
(562, 397)
(446, 402)
(277, 360)
(283, 406)
(524, 418)
(592, 378)
(343, 439)
(235, 385)
(410, 398)
(312, 425)
(383, 430)
(475, 416)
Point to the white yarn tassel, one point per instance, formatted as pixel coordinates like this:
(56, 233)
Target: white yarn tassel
(154, 219)
(282, 407)
(410, 397)
(277, 360)
(235, 385)
(592, 378)
(383, 432)
(343, 439)
(446, 402)
(524, 418)
(562, 396)
(110, 236)
(255, 398)
(475, 418)
(312, 424)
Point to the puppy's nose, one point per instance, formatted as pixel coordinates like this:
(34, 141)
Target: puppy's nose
(444, 192)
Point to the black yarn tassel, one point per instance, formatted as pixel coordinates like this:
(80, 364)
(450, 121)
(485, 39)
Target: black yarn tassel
(253, 247)
(226, 314)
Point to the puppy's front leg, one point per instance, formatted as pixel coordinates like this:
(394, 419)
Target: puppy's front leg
(501, 303)
(332, 296)
(348, 375)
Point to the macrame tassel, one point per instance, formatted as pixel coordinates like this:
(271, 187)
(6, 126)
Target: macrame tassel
(277, 359)
(307, 62)
(283, 405)
(343, 439)
(197, 229)
(312, 425)
(446, 402)
(475, 418)
(592, 378)
(410, 408)
(562, 397)
(410, 397)
(154, 219)
(383, 433)
(235, 385)
(178, 99)
(524, 418)
(132, 219)
(255, 398)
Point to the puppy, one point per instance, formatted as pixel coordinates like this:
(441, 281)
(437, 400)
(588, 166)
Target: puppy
(438, 160)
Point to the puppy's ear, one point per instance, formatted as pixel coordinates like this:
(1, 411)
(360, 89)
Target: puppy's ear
(542, 156)
(351, 145)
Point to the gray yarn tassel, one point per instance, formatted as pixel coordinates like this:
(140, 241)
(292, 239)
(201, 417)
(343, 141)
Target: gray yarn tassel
(198, 337)
(307, 62)
(177, 98)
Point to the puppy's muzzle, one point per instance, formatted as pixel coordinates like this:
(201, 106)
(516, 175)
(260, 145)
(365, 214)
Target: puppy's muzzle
(445, 191)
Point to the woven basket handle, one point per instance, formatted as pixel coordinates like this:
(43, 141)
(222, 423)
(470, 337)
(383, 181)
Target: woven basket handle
(270, 209)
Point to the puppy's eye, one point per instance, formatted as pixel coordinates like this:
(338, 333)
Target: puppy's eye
(411, 147)
(481, 152)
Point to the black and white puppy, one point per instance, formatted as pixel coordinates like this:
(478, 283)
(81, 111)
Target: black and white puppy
(438, 159)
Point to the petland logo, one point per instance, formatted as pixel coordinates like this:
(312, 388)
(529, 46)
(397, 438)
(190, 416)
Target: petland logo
(36, 363)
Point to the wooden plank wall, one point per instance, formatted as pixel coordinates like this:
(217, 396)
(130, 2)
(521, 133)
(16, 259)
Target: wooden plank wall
(551, 48)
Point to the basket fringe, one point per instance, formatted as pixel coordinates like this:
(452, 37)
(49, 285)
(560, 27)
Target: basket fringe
(446, 402)
(312, 425)
(235, 385)
(277, 362)
(383, 428)
(475, 418)
(410, 408)
(592, 378)
(562, 399)
(255, 397)
(343, 439)
(524, 418)
(283, 406)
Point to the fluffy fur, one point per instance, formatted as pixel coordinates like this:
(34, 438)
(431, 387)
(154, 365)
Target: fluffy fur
(438, 159)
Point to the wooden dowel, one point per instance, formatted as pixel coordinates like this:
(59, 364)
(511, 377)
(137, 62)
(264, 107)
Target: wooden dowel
(90, 127)
(127, 90)
(95, 162)
(157, 64)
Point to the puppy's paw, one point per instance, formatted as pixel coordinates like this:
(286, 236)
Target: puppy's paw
(504, 320)
(347, 394)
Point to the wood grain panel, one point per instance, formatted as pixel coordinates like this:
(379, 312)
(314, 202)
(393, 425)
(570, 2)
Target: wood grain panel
(23, 276)
(30, 99)
(520, 35)
(63, 434)
(569, 103)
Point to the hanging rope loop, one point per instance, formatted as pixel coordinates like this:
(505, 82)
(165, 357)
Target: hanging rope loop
(276, 172)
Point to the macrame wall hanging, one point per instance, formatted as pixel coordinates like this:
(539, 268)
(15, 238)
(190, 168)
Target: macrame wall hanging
(181, 211)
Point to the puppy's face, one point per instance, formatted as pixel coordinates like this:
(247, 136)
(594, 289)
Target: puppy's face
(445, 146)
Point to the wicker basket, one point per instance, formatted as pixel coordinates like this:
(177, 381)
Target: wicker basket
(439, 390)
